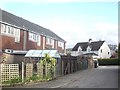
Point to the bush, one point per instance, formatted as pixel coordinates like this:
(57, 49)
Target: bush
(110, 61)
(119, 51)
(13, 81)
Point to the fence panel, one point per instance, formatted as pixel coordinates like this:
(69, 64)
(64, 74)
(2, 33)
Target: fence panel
(40, 70)
(29, 70)
(9, 71)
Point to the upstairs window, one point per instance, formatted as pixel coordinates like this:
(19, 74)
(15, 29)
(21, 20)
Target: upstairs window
(61, 44)
(49, 40)
(8, 30)
(88, 49)
(38, 40)
(35, 38)
(17, 35)
(3, 28)
(79, 49)
(11, 31)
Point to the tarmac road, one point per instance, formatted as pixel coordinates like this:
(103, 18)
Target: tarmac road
(101, 77)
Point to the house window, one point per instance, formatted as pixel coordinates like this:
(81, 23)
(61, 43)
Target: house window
(34, 37)
(53, 43)
(30, 36)
(79, 49)
(88, 49)
(3, 28)
(12, 31)
(61, 44)
(17, 35)
(48, 40)
(56, 44)
(38, 39)
(108, 53)
(101, 50)
(8, 29)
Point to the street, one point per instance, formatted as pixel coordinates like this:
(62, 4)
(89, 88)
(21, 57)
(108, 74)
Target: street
(101, 77)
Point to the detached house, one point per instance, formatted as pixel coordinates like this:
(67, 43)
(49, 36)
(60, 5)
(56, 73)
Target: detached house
(18, 34)
(99, 48)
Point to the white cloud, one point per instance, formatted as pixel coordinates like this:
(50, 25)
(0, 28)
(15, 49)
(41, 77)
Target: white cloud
(74, 32)
(69, 30)
(106, 26)
(108, 31)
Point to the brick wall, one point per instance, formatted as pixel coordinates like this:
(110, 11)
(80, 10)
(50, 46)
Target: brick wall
(8, 42)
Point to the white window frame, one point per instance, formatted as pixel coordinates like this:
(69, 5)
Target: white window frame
(11, 31)
(35, 38)
(38, 39)
(8, 30)
(88, 49)
(56, 44)
(49, 40)
(17, 35)
(3, 29)
(61, 44)
(53, 46)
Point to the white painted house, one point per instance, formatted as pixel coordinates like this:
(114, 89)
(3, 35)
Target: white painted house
(99, 48)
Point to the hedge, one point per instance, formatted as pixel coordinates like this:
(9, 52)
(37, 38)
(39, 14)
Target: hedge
(110, 61)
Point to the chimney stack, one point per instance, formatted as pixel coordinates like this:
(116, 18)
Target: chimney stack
(90, 40)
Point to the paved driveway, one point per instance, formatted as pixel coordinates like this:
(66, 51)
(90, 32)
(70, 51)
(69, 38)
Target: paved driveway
(101, 77)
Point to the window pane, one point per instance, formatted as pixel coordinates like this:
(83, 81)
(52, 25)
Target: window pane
(8, 29)
(12, 30)
(3, 27)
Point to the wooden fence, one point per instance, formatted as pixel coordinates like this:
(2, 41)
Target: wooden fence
(66, 65)
(8, 72)
(70, 64)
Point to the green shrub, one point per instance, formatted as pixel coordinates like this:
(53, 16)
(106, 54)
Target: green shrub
(119, 51)
(13, 81)
(110, 61)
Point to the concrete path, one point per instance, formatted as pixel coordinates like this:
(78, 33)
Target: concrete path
(101, 77)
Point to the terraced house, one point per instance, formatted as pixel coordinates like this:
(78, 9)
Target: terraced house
(17, 33)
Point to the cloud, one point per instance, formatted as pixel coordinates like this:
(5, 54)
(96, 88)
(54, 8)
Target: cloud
(106, 26)
(70, 30)
(74, 32)
(108, 31)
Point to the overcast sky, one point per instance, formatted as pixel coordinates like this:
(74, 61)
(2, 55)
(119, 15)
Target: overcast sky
(73, 20)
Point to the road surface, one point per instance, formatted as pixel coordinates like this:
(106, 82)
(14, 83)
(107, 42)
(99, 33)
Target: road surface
(101, 77)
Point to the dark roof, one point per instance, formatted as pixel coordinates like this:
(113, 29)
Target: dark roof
(22, 23)
(94, 46)
(91, 54)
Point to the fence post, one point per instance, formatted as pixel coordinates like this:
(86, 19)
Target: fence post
(62, 68)
(22, 71)
(69, 64)
(0, 78)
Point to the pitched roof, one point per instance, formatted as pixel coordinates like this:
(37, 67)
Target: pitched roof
(91, 54)
(22, 23)
(94, 46)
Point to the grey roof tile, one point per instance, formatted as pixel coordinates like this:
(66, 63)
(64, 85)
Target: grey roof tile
(94, 45)
(20, 22)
